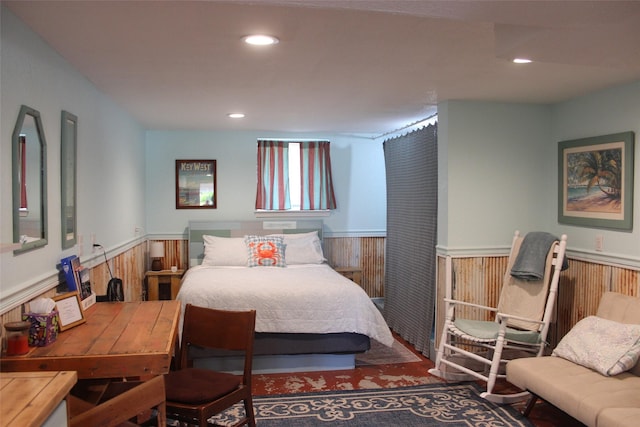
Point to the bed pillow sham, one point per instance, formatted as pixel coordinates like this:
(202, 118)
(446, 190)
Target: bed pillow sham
(303, 248)
(265, 251)
(219, 251)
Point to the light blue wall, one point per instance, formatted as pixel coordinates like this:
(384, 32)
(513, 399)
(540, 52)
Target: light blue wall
(609, 111)
(358, 175)
(494, 160)
(111, 159)
(498, 171)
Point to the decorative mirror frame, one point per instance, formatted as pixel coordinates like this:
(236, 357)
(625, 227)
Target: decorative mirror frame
(15, 140)
(68, 178)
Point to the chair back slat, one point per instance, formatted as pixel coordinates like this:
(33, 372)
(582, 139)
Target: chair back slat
(218, 330)
(528, 298)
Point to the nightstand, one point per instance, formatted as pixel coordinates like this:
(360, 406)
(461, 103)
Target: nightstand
(155, 278)
(352, 273)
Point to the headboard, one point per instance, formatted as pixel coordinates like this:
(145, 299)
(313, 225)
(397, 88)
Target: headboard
(197, 229)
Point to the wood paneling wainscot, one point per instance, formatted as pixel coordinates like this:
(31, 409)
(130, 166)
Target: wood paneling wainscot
(366, 253)
(478, 279)
(175, 254)
(129, 266)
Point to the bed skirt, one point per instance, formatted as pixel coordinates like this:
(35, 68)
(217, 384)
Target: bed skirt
(276, 352)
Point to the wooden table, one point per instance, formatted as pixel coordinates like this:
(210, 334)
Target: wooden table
(154, 278)
(30, 398)
(118, 340)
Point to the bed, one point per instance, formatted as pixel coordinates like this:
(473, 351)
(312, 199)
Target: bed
(309, 317)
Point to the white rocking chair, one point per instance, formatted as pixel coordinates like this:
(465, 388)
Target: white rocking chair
(521, 323)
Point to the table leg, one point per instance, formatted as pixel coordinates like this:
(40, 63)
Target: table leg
(175, 286)
(152, 285)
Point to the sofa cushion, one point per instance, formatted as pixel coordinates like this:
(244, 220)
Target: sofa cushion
(620, 308)
(593, 399)
(619, 417)
(578, 391)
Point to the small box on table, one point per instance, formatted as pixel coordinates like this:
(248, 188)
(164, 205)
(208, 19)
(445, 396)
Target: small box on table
(44, 328)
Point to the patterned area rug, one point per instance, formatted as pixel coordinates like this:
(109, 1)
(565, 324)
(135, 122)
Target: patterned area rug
(380, 354)
(425, 405)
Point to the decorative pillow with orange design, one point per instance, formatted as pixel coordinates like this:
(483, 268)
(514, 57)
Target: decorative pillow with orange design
(265, 251)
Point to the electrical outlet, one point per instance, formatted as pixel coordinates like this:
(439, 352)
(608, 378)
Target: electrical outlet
(599, 242)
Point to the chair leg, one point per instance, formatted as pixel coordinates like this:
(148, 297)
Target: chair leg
(530, 404)
(248, 408)
(443, 339)
(495, 362)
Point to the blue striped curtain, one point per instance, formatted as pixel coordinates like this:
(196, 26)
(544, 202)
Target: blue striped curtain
(316, 185)
(273, 176)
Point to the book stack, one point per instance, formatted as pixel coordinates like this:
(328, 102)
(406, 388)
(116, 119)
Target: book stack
(77, 278)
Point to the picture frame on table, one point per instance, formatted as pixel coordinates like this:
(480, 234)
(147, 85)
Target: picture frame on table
(196, 184)
(70, 312)
(595, 181)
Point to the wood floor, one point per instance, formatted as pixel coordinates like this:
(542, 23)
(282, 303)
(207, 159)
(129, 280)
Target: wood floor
(386, 376)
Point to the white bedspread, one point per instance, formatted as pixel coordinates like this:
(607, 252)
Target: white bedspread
(297, 299)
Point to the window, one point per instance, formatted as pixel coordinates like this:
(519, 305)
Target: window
(294, 176)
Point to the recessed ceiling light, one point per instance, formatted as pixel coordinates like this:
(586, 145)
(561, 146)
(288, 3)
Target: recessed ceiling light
(521, 61)
(235, 115)
(260, 40)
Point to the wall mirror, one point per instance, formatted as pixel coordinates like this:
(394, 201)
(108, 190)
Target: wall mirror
(29, 158)
(68, 156)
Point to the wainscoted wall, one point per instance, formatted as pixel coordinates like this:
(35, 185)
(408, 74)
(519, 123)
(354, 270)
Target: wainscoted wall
(478, 280)
(366, 253)
(581, 286)
(129, 266)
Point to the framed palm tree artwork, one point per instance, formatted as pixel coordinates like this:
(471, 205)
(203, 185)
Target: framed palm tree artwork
(596, 181)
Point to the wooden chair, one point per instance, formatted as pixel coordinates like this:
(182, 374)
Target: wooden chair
(119, 410)
(195, 395)
(473, 348)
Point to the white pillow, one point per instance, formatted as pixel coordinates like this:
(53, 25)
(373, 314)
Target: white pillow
(219, 251)
(303, 248)
(603, 345)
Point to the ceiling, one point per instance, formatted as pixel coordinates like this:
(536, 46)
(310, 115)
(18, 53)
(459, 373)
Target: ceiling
(349, 66)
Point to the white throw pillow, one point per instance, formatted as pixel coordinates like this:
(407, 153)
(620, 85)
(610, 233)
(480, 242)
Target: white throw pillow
(603, 345)
(303, 248)
(219, 251)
